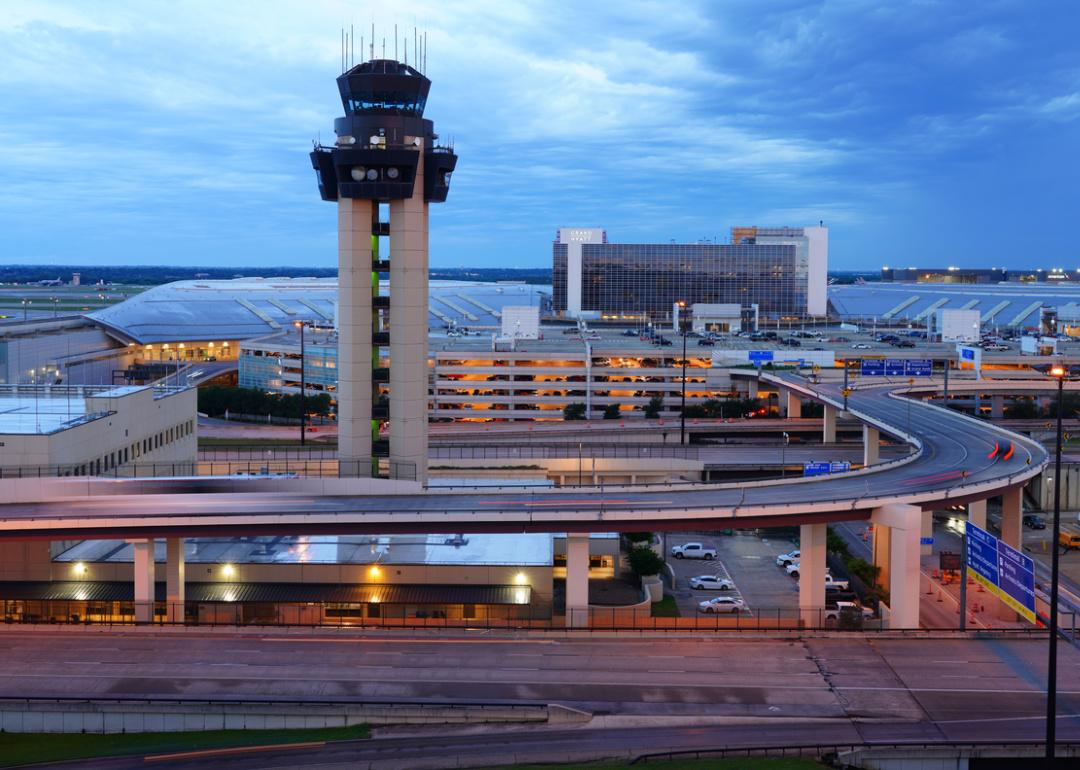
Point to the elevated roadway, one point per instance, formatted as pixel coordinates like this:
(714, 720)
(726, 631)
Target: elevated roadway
(950, 465)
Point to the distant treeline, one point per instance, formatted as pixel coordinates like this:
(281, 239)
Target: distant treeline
(151, 275)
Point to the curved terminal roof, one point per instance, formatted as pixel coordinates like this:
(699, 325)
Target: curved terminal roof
(244, 308)
(1003, 304)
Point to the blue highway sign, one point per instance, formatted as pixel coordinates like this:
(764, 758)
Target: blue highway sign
(894, 367)
(872, 367)
(982, 557)
(816, 469)
(919, 367)
(757, 356)
(1016, 580)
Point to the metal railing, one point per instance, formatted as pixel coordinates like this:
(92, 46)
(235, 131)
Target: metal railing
(263, 468)
(361, 615)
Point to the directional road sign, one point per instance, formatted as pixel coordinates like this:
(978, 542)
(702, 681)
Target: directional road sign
(872, 367)
(1016, 580)
(894, 367)
(816, 469)
(1004, 571)
(919, 367)
(759, 356)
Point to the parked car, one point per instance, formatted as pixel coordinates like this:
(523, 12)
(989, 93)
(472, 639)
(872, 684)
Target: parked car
(860, 346)
(1031, 521)
(791, 342)
(905, 344)
(712, 582)
(836, 585)
(721, 604)
(785, 559)
(693, 551)
(706, 343)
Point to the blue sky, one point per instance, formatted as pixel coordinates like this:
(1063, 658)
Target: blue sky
(922, 133)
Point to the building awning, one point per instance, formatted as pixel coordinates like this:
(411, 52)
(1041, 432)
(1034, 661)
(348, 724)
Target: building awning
(103, 591)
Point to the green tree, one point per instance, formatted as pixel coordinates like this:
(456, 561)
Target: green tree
(653, 408)
(644, 562)
(574, 412)
(611, 412)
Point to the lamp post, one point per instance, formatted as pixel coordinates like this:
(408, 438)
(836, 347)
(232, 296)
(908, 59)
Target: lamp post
(303, 383)
(1057, 371)
(682, 411)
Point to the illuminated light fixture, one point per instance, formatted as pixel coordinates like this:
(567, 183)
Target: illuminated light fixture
(521, 579)
(521, 596)
(1057, 370)
(78, 568)
(357, 173)
(374, 571)
(228, 570)
(372, 174)
(392, 173)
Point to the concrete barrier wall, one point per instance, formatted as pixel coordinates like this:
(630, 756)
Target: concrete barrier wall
(137, 716)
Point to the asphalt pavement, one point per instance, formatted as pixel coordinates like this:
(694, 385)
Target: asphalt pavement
(647, 693)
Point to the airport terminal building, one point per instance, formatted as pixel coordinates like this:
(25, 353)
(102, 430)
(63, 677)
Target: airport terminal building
(781, 271)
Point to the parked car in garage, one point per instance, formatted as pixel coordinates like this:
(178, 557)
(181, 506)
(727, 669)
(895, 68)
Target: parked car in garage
(785, 559)
(712, 582)
(721, 604)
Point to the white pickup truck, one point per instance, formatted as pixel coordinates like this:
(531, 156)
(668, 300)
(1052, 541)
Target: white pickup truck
(693, 551)
(831, 583)
(832, 611)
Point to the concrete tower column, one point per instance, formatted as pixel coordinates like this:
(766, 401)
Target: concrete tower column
(577, 580)
(871, 444)
(976, 513)
(409, 332)
(355, 217)
(144, 580)
(997, 406)
(904, 523)
(174, 579)
(828, 435)
(812, 574)
(792, 403)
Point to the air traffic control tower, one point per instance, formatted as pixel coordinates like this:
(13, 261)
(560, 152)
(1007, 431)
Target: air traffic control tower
(383, 170)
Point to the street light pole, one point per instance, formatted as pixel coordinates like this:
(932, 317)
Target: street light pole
(1051, 664)
(303, 384)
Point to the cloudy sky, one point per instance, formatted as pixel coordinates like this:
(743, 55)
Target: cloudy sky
(922, 132)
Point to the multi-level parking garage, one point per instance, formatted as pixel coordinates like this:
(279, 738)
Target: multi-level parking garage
(949, 466)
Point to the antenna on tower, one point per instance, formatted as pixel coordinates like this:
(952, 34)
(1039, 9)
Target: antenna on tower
(425, 51)
(361, 45)
(395, 43)
(342, 49)
(352, 47)
(405, 45)
(372, 40)
(415, 49)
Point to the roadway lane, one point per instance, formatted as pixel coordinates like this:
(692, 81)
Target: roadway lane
(656, 692)
(952, 466)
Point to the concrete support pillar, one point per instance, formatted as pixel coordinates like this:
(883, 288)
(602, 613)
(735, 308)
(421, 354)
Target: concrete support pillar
(904, 523)
(926, 532)
(828, 435)
(880, 547)
(174, 579)
(354, 320)
(577, 580)
(409, 332)
(1012, 509)
(871, 438)
(976, 513)
(791, 402)
(812, 574)
(144, 580)
(997, 406)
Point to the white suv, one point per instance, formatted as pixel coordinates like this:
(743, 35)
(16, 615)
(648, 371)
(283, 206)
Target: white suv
(785, 559)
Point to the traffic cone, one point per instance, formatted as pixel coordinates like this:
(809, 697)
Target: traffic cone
(936, 573)
(939, 596)
(981, 589)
